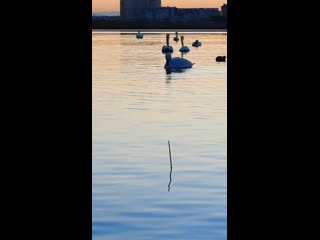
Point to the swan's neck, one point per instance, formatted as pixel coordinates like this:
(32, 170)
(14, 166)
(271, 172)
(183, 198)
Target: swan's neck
(167, 41)
(182, 42)
(168, 62)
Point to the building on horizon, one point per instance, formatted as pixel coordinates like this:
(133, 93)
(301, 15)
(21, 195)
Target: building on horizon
(187, 15)
(131, 10)
(182, 15)
(224, 9)
(161, 14)
(151, 11)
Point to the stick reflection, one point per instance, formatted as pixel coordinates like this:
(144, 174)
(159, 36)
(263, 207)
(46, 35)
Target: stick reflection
(170, 166)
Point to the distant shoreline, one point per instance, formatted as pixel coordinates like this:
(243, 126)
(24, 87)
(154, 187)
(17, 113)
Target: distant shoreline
(218, 31)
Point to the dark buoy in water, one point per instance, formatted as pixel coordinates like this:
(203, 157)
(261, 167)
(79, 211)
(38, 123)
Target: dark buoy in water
(221, 58)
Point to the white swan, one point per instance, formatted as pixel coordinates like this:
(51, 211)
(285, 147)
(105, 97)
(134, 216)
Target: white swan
(139, 35)
(176, 63)
(176, 38)
(166, 49)
(196, 44)
(183, 48)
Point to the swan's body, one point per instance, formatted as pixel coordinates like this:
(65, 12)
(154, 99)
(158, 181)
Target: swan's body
(166, 49)
(196, 44)
(176, 38)
(221, 59)
(139, 35)
(183, 48)
(176, 63)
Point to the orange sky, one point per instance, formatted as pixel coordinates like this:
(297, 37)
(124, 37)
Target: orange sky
(114, 5)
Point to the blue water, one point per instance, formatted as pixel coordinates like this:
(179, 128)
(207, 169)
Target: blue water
(137, 108)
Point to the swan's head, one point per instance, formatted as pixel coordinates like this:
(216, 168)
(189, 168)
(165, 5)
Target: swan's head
(182, 37)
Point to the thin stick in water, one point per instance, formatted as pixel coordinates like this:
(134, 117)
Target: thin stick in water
(170, 166)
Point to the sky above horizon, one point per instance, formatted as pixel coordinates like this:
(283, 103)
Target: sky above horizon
(114, 5)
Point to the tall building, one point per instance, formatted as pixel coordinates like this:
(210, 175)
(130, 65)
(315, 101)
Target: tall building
(123, 7)
(131, 10)
(154, 3)
(224, 9)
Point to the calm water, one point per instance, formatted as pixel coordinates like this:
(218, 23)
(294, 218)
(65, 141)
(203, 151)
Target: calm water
(137, 108)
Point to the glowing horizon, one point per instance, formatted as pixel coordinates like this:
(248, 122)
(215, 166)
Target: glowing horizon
(114, 5)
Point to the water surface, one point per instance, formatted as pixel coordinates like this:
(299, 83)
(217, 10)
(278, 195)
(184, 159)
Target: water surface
(137, 108)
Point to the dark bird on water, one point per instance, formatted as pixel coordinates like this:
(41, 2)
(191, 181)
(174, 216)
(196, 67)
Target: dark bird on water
(221, 58)
(196, 43)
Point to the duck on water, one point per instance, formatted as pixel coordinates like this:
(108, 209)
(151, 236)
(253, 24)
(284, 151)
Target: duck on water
(221, 58)
(196, 43)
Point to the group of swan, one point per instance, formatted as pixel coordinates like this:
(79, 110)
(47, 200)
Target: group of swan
(175, 64)
(178, 63)
(168, 48)
(194, 44)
